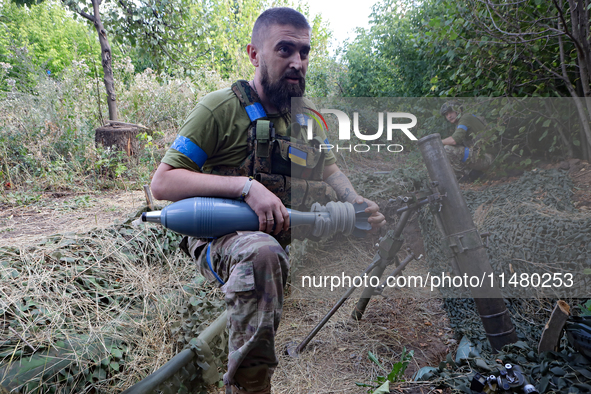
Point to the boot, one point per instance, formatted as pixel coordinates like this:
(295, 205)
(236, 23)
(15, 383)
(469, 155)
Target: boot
(236, 390)
(474, 175)
(253, 380)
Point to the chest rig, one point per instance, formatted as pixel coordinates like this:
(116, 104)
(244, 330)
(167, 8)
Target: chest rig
(289, 167)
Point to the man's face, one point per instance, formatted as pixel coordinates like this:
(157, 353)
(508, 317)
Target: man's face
(284, 62)
(451, 116)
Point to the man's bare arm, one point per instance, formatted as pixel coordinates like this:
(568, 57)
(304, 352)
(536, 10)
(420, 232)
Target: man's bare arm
(340, 183)
(346, 192)
(175, 184)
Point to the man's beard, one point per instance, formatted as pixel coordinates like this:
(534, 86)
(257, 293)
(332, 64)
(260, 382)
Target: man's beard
(280, 92)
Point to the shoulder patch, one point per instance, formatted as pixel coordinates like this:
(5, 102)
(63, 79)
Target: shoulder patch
(188, 148)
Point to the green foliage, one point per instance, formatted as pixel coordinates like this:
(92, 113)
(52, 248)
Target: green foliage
(323, 78)
(395, 375)
(47, 122)
(161, 34)
(110, 163)
(182, 36)
(586, 308)
(324, 71)
(46, 35)
(478, 60)
(227, 31)
(47, 136)
(450, 49)
(391, 58)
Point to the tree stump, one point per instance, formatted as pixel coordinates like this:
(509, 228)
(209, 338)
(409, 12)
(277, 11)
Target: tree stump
(119, 136)
(553, 329)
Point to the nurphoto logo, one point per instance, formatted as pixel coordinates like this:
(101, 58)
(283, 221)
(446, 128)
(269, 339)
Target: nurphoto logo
(345, 130)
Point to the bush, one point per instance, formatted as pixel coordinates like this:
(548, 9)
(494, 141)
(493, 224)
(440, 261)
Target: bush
(47, 131)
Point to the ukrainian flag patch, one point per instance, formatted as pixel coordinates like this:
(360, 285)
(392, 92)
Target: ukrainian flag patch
(297, 156)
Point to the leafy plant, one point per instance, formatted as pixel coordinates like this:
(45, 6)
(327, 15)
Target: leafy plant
(110, 162)
(586, 308)
(19, 198)
(395, 375)
(25, 35)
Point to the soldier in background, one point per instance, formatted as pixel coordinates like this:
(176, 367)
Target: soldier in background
(463, 147)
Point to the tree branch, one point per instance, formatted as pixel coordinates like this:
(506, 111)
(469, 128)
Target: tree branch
(85, 15)
(488, 4)
(566, 31)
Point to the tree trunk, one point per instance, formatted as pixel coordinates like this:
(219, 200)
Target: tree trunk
(105, 55)
(119, 137)
(582, 111)
(580, 25)
(106, 60)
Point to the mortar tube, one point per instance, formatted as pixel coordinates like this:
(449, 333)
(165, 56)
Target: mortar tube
(151, 382)
(472, 260)
(451, 258)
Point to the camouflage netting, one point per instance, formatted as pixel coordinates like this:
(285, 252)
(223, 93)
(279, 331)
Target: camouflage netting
(534, 228)
(381, 185)
(96, 312)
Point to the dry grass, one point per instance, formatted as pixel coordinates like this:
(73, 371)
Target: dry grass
(337, 357)
(111, 288)
(333, 362)
(53, 213)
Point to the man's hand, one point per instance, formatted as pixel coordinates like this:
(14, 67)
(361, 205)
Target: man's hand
(346, 192)
(269, 209)
(448, 141)
(376, 219)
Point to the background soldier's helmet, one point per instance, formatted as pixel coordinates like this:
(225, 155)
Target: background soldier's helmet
(450, 106)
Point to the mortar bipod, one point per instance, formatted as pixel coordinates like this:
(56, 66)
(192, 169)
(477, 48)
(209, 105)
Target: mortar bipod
(411, 256)
(357, 313)
(293, 349)
(390, 244)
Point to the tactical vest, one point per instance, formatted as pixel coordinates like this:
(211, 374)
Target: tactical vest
(290, 168)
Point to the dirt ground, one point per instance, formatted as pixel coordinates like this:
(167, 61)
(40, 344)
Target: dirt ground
(337, 357)
(580, 173)
(55, 213)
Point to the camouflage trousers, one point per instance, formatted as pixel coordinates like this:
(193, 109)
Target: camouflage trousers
(254, 269)
(462, 165)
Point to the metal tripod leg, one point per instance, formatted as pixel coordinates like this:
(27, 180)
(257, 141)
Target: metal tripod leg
(388, 251)
(294, 351)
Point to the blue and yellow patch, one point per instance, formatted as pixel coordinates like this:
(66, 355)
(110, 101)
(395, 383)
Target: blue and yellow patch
(297, 156)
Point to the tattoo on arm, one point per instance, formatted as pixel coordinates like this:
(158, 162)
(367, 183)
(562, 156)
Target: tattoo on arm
(342, 186)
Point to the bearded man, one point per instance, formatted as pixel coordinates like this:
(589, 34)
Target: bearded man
(220, 152)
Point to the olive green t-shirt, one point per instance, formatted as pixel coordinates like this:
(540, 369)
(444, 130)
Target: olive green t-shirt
(215, 133)
(468, 127)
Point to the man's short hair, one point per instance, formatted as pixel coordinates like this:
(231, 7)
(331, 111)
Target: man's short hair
(277, 16)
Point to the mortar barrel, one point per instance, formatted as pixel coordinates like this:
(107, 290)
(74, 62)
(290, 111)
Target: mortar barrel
(462, 236)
